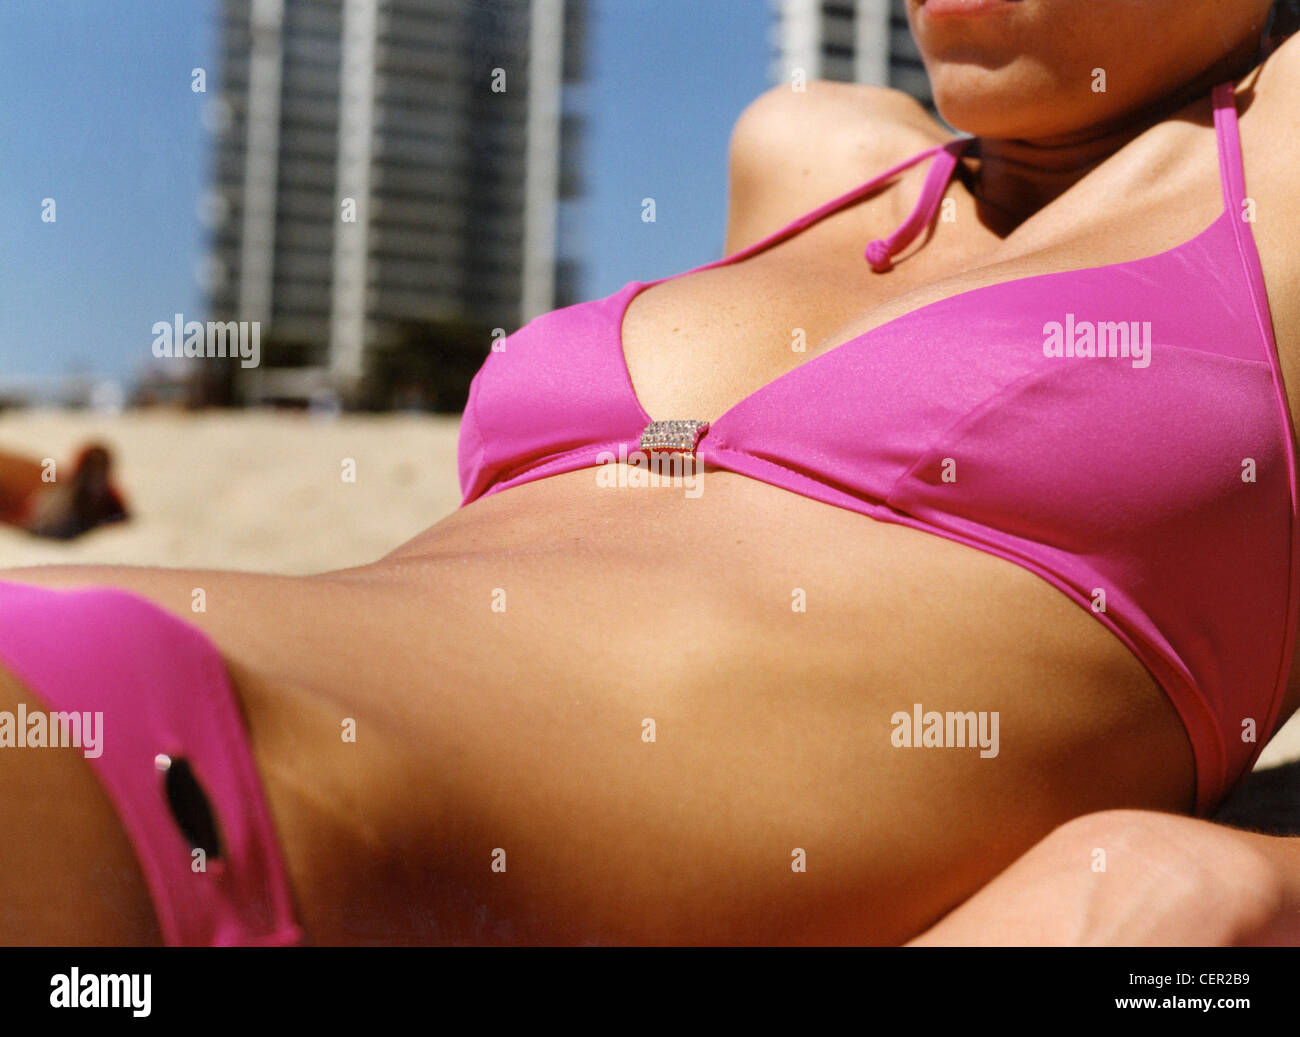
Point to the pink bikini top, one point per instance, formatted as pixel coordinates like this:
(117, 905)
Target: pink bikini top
(1120, 431)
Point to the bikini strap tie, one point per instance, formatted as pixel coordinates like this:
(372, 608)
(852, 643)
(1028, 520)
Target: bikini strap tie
(880, 252)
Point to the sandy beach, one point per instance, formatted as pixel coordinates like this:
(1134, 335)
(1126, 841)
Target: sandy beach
(259, 491)
(264, 491)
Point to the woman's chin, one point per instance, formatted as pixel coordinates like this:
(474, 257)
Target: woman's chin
(1001, 112)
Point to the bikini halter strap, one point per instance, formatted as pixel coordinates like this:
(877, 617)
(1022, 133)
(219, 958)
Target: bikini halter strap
(880, 253)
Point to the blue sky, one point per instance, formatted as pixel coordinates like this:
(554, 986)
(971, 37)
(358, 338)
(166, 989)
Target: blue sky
(667, 80)
(96, 112)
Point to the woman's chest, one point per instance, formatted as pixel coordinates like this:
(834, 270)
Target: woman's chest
(697, 344)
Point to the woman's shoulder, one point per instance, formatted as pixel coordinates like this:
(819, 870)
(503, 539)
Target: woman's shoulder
(791, 150)
(1270, 119)
(1273, 87)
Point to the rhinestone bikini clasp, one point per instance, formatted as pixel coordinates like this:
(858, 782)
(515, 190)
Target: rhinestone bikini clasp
(673, 437)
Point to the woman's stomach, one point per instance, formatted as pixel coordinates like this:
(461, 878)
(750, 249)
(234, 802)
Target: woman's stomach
(766, 669)
(739, 582)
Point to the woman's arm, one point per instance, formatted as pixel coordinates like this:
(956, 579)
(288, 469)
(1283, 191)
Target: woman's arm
(1136, 878)
(792, 150)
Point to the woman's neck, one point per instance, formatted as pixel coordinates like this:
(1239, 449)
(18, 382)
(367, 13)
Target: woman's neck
(1013, 179)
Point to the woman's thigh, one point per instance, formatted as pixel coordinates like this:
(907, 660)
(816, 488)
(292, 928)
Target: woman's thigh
(295, 651)
(68, 874)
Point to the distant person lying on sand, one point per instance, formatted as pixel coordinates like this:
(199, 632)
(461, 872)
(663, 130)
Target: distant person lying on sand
(35, 496)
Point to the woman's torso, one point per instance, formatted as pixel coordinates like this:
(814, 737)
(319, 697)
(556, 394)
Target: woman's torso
(696, 345)
(639, 599)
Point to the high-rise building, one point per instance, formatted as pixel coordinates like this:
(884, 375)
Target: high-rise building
(852, 41)
(389, 165)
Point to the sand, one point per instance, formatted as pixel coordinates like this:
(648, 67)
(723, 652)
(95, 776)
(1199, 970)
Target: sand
(258, 491)
(263, 491)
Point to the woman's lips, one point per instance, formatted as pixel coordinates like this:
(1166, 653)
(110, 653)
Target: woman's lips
(964, 8)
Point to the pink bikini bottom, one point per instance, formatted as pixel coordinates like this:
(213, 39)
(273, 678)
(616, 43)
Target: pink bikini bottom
(160, 725)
